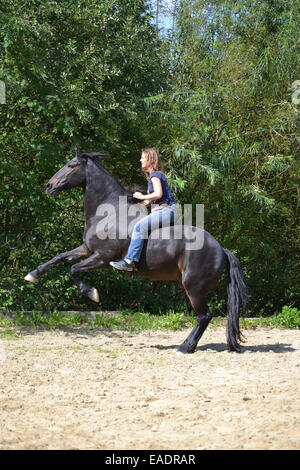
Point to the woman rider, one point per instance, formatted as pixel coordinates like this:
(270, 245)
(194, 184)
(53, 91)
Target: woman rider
(164, 209)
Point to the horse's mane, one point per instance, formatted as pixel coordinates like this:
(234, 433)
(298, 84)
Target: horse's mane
(95, 157)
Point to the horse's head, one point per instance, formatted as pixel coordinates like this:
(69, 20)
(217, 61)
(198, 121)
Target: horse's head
(72, 174)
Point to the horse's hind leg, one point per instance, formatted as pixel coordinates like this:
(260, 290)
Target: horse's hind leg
(77, 253)
(203, 318)
(95, 261)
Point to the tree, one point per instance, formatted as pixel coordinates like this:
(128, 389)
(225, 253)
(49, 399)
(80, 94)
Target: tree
(229, 127)
(75, 72)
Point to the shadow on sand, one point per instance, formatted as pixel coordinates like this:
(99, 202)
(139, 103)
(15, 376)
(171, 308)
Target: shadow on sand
(278, 348)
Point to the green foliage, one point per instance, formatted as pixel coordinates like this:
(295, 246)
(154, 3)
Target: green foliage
(215, 98)
(289, 317)
(12, 328)
(74, 73)
(125, 320)
(230, 133)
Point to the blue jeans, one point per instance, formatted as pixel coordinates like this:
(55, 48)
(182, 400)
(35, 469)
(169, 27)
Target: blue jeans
(160, 218)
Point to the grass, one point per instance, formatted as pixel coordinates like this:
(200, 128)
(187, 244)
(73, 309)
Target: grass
(289, 317)
(130, 321)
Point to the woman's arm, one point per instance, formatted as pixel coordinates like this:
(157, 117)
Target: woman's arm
(157, 191)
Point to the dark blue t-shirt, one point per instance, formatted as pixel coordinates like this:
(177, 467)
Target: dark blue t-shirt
(167, 196)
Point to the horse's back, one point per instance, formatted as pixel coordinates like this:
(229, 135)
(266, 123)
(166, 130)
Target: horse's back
(171, 252)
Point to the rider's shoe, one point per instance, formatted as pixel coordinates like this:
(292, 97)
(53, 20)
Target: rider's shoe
(123, 265)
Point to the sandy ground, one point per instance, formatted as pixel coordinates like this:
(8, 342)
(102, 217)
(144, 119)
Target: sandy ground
(77, 389)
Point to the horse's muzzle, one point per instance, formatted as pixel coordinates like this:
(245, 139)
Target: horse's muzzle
(51, 188)
(48, 188)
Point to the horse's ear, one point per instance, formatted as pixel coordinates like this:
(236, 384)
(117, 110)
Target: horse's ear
(99, 155)
(78, 151)
(92, 155)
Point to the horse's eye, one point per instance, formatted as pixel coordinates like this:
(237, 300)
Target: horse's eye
(73, 164)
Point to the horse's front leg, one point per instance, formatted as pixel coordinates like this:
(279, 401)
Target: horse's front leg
(95, 261)
(77, 253)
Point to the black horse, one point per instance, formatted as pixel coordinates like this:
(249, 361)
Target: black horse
(163, 258)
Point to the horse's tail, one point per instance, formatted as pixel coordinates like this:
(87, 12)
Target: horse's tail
(237, 298)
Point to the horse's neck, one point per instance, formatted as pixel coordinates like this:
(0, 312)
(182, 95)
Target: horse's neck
(101, 188)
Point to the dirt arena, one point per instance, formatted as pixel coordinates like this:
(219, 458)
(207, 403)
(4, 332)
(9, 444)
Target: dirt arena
(81, 389)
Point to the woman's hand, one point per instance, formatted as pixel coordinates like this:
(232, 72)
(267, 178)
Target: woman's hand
(157, 193)
(146, 202)
(138, 195)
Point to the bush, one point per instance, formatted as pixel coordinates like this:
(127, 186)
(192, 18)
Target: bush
(289, 317)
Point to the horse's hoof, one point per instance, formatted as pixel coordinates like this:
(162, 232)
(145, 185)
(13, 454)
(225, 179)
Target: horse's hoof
(184, 349)
(179, 353)
(30, 278)
(93, 295)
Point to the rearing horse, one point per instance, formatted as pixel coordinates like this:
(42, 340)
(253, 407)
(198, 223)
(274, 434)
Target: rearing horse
(163, 258)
